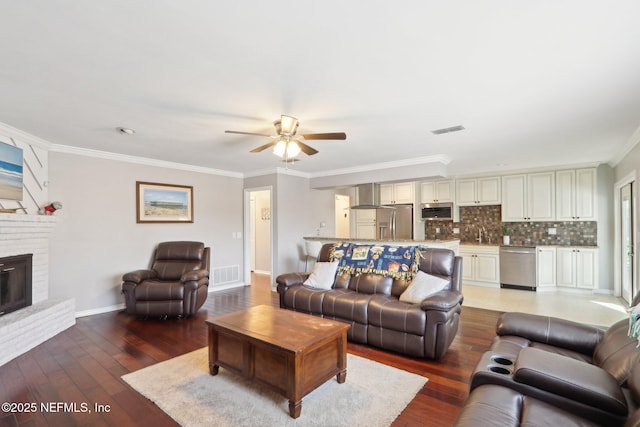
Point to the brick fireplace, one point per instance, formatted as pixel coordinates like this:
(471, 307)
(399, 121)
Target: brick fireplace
(24, 329)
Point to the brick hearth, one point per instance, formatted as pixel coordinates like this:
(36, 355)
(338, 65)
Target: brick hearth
(24, 329)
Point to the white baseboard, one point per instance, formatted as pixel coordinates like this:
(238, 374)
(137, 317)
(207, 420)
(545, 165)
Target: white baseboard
(100, 310)
(226, 286)
(262, 271)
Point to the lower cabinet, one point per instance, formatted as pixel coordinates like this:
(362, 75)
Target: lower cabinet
(577, 267)
(546, 266)
(480, 264)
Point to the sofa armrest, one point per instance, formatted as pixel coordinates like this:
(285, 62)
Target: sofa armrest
(194, 275)
(285, 281)
(570, 378)
(441, 301)
(550, 330)
(138, 276)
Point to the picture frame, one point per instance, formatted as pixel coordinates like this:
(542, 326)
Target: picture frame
(11, 169)
(163, 203)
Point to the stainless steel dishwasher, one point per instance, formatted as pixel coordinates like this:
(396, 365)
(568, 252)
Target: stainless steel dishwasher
(518, 267)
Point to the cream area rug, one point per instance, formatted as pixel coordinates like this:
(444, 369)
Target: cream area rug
(373, 395)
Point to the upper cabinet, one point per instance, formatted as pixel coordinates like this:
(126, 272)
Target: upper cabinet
(478, 191)
(436, 191)
(576, 195)
(401, 192)
(528, 197)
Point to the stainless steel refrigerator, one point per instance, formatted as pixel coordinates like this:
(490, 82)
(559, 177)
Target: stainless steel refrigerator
(394, 224)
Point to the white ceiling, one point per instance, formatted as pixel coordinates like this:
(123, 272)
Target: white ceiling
(535, 83)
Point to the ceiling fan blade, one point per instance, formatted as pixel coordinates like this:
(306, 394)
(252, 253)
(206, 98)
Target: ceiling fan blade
(331, 135)
(309, 151)
(246, 133)
(264, 147)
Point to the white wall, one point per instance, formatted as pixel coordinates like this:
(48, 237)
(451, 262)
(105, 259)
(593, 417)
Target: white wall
(97, 238)
(262, 229)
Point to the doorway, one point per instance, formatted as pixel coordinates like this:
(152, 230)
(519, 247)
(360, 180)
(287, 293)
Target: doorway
(342, 213)
(625, 270)
(627, 276)
(258, 233)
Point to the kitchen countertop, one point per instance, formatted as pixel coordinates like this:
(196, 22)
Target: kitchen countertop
(528, 245)
(340, 239)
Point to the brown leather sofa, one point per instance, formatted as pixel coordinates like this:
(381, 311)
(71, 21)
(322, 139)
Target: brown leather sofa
(370, 303)
(176, 284)
(550, 371)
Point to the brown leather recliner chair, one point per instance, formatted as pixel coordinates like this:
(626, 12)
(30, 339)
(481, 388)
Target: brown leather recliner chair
(176, 284)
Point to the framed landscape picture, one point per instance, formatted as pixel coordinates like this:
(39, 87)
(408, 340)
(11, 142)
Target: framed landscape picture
(10, 172)
(157, 202)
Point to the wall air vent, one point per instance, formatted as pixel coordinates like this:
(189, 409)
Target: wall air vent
(447, 130)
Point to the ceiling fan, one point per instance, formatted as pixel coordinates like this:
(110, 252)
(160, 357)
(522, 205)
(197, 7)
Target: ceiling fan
(286, 143)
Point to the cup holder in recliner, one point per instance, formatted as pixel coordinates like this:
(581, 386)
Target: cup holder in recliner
(502, 360)
(499, 370)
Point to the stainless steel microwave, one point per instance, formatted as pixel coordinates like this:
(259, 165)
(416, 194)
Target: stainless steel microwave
(437, 211)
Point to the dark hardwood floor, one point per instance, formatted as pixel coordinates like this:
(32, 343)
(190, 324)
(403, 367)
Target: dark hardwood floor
(83, 366)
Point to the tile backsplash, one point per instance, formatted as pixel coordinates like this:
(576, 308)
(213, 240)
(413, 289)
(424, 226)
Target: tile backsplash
(473, 218)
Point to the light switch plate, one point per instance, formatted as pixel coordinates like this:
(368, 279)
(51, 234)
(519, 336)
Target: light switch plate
(456, 231)
(552, 231)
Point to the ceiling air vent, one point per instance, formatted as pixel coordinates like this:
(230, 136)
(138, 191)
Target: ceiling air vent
(447, 130)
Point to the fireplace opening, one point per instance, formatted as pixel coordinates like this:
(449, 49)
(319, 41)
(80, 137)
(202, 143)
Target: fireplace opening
(15, 283)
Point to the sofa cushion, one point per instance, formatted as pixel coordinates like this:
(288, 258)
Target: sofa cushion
(346, 304)
(422, 286)
(155, 290)
(305, 299)
(616, 352)
(493, 405)
(389, 313)
(512, 345)
(323, 275)
(371, 284)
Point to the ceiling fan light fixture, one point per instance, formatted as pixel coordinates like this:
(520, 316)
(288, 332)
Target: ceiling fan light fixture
(286, 149)
(292, 150)
(288, 125)
(280, 148)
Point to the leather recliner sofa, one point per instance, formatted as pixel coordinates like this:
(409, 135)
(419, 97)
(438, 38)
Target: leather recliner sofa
(370, 303)
(543, 370)
(176, 284)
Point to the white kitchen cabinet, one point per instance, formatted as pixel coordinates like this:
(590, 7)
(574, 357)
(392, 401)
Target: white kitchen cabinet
(401, 192)
(478, 191)
(437, 191)
(576, 195)
(480, 264)
(546, 266)
(365, 231)
(366, 223)
(528, 197)
(577, 267)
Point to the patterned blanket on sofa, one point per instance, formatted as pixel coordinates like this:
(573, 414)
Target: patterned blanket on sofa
(399, 262)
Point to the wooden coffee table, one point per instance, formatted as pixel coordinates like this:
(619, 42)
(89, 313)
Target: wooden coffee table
(290, 353)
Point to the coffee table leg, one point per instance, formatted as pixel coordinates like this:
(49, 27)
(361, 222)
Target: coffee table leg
(342, 376)
(213, 351)
(295, 408)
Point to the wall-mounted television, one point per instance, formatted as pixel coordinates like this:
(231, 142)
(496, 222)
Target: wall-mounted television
(10, 172)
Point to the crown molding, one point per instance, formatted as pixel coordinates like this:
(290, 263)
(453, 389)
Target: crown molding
(23, 136)
(630, 145)
(440, 158)
(140, 160)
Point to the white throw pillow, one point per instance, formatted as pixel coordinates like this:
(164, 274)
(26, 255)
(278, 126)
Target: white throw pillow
(323, 275)
(422, 286)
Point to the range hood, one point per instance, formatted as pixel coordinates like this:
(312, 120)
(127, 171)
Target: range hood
(369, 197)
